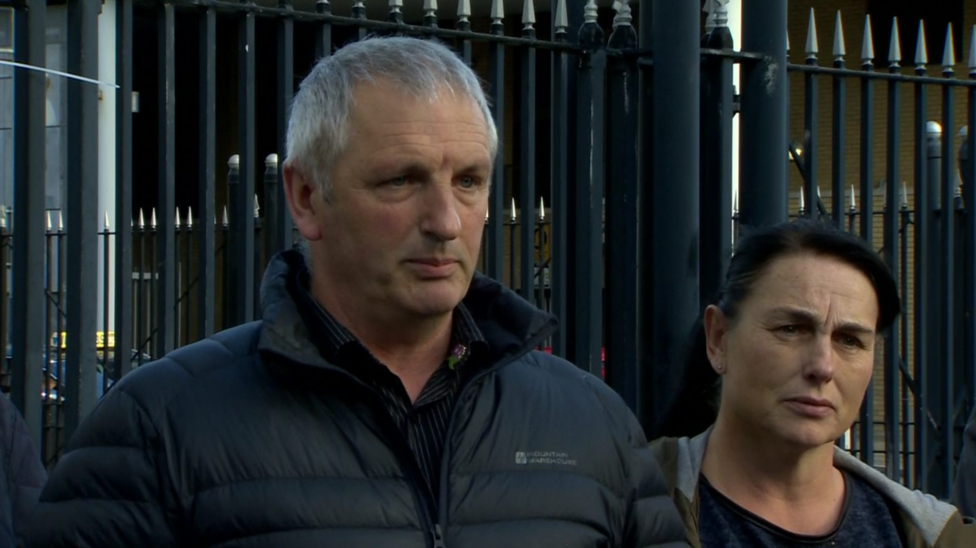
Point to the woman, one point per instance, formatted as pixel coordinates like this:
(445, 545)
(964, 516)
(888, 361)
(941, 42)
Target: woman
(793, 339)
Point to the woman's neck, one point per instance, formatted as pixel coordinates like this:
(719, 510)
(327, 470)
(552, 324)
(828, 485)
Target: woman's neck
(797, 489)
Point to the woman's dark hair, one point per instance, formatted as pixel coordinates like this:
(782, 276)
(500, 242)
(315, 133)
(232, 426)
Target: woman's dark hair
(696, 406)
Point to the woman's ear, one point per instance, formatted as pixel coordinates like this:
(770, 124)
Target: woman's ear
(716, 326)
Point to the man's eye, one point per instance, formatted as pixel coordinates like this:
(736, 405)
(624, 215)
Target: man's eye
(468, 182)
(851, 341)
(398, 182)
(789, 329)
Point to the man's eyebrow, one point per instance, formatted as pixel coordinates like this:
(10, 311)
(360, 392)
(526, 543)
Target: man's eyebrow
(800, 315)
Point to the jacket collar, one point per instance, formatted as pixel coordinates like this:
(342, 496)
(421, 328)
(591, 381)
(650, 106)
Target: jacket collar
(510, 325)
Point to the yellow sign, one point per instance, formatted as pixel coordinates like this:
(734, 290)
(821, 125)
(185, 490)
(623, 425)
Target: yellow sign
(60, 340)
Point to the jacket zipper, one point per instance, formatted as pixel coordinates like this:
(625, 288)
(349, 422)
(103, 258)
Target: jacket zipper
(446, 455)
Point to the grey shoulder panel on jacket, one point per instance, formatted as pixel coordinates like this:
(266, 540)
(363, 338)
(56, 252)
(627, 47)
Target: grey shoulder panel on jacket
(928, 513)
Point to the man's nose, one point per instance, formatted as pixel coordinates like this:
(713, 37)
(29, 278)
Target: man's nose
(440, 217)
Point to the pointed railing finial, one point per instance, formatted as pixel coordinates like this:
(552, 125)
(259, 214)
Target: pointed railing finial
(528, 19)
(224, 219)
(3, 216)
(867, 47)
(542, 209)
(904, 195)
(463, 13)
(487, 211)
(179, 222)
(106, 221)
(802, 202)
(624, 15)
(257, 207)
(813, 45)
(853, 200)
(590, 12)
(142, 219)
(430, 13)
(60, 221)
(921, 49)
(840, 45)
(971, 63)
(718, 14)
(949, 54)
(395, 15)
(48, 215)
(189, 217)
(514, 214)
(497, 12)
(359, 10)
(562, 19)
(152, 219)
(894, 47)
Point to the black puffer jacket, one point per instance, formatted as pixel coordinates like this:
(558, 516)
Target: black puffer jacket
(21, 474)
(250, 439)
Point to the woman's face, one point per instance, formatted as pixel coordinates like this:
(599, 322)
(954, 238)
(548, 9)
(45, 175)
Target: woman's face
(799, 355)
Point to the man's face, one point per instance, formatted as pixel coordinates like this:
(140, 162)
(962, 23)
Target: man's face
(400, 231)
(799, 356)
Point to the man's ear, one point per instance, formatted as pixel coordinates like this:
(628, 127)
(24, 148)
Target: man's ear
(302, 195)
(716, 326)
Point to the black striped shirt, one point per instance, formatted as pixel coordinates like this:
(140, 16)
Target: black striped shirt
(424, 422)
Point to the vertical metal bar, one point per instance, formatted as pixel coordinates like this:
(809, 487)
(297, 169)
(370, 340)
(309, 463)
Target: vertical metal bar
(232, 245)
(464, 25)
(27, 341)
(892, 357)
(359, 12)
(621, 219)
(762, 195)
(906, 221)
(716, 166)
(674, 267)
(921, 297)
(645, 210)
(323, 34)
(242, 218)
(496, 84)
(589, 197)
(177, 271)
(206, 190)
(867, 234)
(82, 199)
(947, 295)
(811, 99)
(123, 188)
(839, 147)
(5, 243)
(272, 201)
(929, 371)
(527, 168)
(106, 242)
(281, 226)
(559, 108)
(166, 202)
(969, 195)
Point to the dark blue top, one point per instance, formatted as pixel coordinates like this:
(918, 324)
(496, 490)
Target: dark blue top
(865, 521)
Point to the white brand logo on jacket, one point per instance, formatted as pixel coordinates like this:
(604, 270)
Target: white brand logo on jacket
(558, 458)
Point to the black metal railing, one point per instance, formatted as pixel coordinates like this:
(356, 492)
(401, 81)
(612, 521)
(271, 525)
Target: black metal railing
(598, 117)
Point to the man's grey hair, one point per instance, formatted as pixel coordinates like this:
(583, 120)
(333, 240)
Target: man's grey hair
(318, 125)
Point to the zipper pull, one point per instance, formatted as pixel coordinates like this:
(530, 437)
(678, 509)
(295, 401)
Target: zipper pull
(438, 537)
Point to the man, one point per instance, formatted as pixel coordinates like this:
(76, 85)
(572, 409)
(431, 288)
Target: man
(22, 474)
(389, 396)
